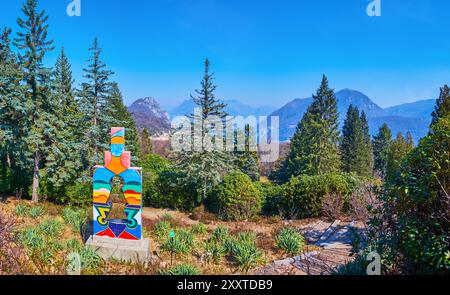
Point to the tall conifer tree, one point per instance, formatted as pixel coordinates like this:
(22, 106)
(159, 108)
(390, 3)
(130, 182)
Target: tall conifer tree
(381, 147)
(314, 146)
(32, 40)
(442, 107)
(203, 165)
(93, 102)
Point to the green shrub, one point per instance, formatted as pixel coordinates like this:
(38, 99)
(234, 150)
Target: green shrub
(75, 217)
(290, 241)
(22, 210)
(271, 196)
(303, 195)
(162, 230)
(199, 229)
(36, 211)
(182, 270)
(164, 187)
(236, 198)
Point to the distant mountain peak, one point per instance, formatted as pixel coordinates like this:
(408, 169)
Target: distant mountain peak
(147, 113)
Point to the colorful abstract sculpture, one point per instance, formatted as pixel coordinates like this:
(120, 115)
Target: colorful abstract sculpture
(117, 163)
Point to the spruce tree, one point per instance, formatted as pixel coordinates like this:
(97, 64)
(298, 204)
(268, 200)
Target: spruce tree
(442, 107)
(356, 148)
(93, 97)
(63, 161)
(14, 121)
(32, 40)
(381, 147)
(352, 139)
(203, 165)
(314, 146)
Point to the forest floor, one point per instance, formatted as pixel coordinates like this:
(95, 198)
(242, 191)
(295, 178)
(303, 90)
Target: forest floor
(328, 243)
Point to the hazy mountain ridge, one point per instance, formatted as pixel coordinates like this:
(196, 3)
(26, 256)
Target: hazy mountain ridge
(233, 108)
(147, 113)
(413, 117)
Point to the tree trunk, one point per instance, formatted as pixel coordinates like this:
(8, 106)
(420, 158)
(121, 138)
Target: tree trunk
(34, 196)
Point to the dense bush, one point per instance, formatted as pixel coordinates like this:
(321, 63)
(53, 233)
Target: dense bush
(165, 187)
(271, 196)
(303, 195)
(235, 198)
(411, 228)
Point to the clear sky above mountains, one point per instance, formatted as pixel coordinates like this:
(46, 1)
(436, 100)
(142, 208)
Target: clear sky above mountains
(263, 52)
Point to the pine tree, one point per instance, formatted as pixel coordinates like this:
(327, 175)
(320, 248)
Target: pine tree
(93, 103)
(34, 44)
(145, 143)
(122, 118)
(314, 146)
(203, 165)
(442, 107)
(381, 147)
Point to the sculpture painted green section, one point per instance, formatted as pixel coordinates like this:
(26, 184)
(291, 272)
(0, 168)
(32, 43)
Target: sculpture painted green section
(117, 163)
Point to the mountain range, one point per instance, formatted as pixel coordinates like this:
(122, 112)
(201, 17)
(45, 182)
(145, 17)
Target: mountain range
(233, 108)
(413, 117)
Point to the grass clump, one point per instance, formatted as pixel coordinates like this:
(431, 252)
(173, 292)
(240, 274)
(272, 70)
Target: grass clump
(50, 227)
(220, 234)
(181, 243)
(22, 210)
(243, 250)
(290, 241)
(75, 217)
(182, 270)
(36, 211)
(162, 230)
(214, 250)
(199, 228)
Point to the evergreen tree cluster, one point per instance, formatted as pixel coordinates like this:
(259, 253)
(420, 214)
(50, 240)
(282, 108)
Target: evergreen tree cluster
(52, 133)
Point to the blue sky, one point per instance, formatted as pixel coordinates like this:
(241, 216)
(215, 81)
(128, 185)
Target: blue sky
(264, 52)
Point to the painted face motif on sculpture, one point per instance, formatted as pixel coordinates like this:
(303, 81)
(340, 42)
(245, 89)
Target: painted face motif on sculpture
(117, 163)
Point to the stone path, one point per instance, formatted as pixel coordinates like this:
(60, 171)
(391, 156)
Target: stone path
(332, 243)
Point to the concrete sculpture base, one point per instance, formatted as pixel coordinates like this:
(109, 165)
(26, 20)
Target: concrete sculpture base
(120, 249)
